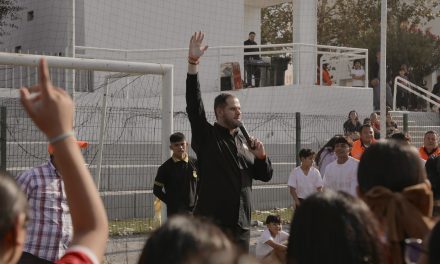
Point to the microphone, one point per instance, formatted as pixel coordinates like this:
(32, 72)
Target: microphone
(246, 135)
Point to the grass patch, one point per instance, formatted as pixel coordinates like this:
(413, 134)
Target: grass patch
(285, 214)
(131, 226)
(144, 226)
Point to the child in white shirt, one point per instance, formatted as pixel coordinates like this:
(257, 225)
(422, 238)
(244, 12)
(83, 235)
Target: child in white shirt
(272, 242)
(304, 179)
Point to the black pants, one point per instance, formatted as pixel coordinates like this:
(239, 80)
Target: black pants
(27, 258)
(255, 71)
(239, 235)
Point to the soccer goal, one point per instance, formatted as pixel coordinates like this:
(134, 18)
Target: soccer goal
(123, 109)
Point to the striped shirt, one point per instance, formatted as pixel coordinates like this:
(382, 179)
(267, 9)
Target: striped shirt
(49, 230)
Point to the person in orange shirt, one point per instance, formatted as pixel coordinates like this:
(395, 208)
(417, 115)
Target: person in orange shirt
(430, 145)
(365, 140)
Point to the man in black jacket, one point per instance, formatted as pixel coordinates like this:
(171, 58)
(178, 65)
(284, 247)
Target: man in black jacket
(227, 164)
(176, 180)
(250, 62)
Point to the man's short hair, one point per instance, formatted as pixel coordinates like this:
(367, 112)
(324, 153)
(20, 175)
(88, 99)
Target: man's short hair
(220, 101)
(250, 33)
(177, 137)
(399, 136)
(305, 153)
(273, 219)
(364, 126)
(342, 140)
(431, 132)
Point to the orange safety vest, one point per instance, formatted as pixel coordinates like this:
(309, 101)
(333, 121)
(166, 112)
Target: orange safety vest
(424, 155)
(358, 149)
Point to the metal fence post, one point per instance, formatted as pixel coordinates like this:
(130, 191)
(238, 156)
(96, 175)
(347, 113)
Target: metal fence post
(3, 138)
(298, 137)
(405, 123)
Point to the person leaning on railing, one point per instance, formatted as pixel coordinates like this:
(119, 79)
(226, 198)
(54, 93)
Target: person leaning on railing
(251, 70)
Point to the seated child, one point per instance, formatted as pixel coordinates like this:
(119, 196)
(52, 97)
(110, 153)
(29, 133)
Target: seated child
(272, 242)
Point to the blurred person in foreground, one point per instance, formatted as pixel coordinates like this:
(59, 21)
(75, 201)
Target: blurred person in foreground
(51, 109)
(185, 239)
(393, 183)
(333, 228)
(432, 167)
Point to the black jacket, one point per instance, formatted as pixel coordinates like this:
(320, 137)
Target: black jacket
(226, 166)
(176, 185)
(248, 57)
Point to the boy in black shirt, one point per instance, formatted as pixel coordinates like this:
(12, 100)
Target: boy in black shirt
(176, 180)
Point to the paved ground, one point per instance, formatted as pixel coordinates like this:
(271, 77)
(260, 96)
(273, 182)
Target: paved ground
(126, 250)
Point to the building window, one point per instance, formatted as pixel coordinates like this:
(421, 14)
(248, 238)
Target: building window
(30, 16)
(18, 49)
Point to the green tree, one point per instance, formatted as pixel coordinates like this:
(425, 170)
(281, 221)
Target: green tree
(8, 14)
(356, 23)
(276, 24)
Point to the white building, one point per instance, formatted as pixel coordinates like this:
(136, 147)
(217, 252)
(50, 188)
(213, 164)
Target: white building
(160, 30)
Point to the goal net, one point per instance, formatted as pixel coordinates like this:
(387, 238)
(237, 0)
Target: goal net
(119, 111)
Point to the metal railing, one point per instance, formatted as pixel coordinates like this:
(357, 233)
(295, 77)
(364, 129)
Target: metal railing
(341, 56)
(412, 88)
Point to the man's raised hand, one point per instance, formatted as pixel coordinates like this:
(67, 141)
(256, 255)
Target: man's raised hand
(196, 47)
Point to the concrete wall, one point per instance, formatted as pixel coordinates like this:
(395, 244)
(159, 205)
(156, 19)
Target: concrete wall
(252, 22)
(137, 24)
(316, 100)
(48, 32)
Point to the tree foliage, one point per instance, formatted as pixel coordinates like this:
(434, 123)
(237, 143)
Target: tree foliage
(9, 10)
(356, 23)
(276, 24)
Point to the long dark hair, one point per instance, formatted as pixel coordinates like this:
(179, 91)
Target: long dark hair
(353, 111)
(333, 227)
(329, 145)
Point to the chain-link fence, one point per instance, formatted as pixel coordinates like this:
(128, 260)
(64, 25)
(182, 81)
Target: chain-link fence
(131, 155)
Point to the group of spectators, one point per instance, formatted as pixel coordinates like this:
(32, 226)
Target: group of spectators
(404, 99)
(352, 126)
(394, 188)
(374, 203)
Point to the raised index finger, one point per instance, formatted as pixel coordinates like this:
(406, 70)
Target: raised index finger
(44, 76)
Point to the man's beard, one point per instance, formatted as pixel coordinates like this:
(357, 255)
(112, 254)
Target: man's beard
(232, 123)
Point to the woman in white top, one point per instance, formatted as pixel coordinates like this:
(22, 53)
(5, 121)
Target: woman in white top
(357, 74)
